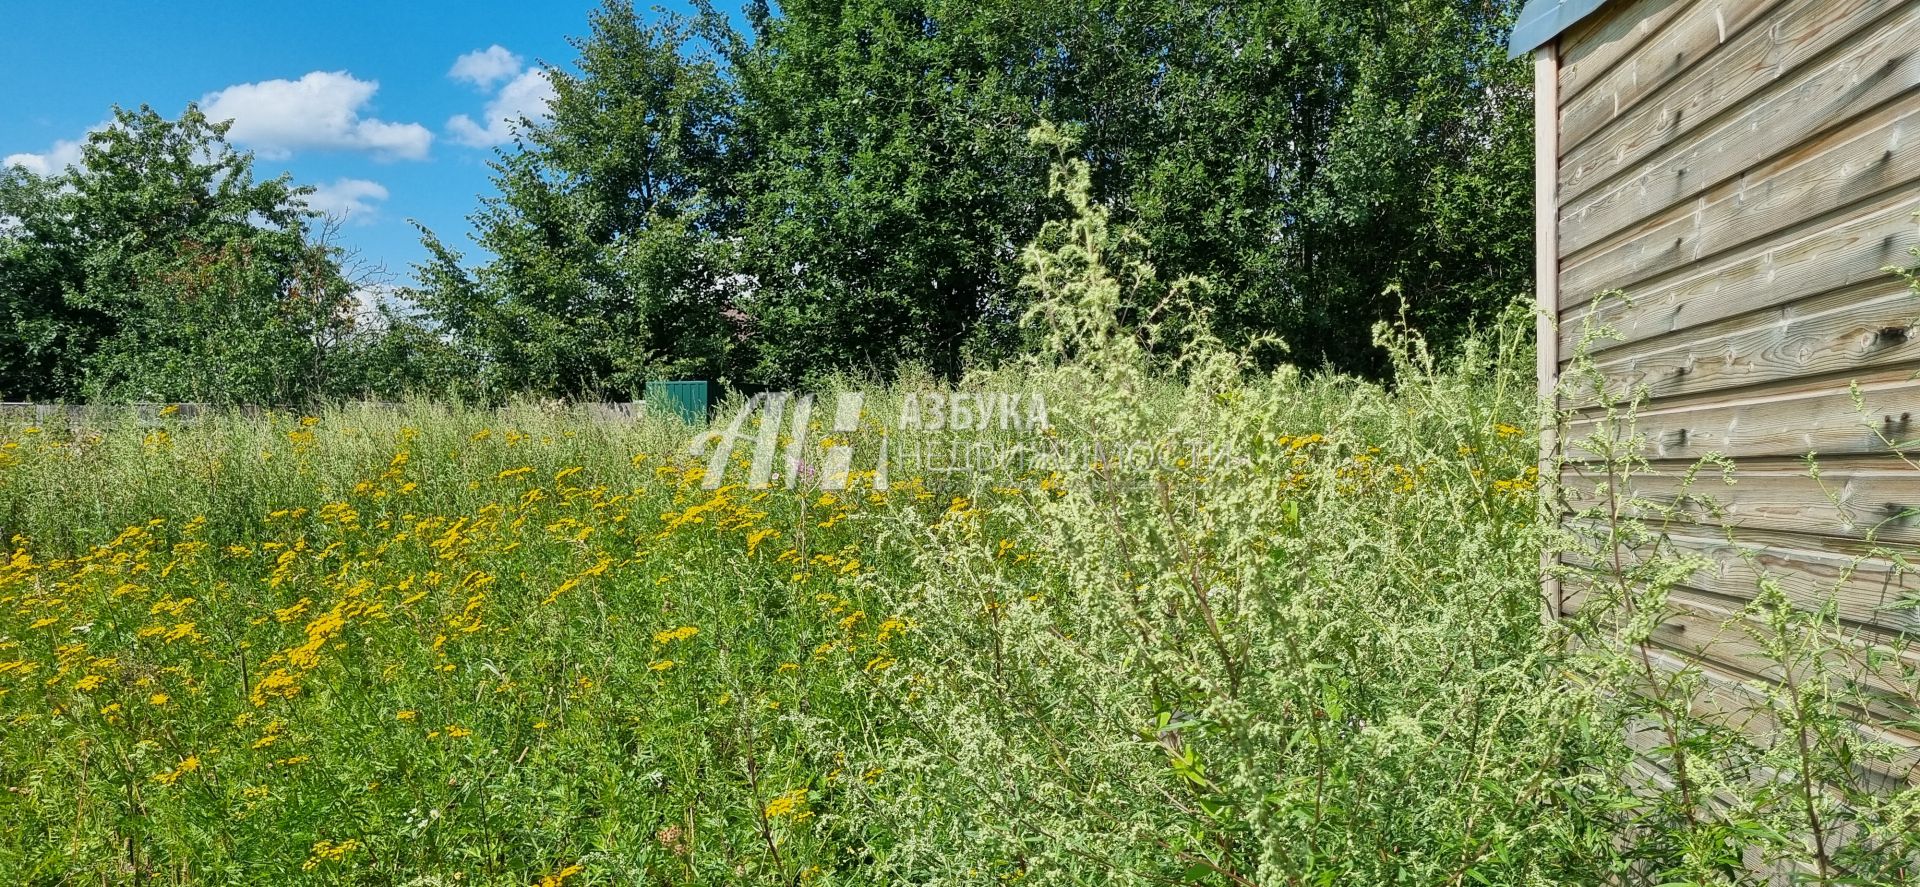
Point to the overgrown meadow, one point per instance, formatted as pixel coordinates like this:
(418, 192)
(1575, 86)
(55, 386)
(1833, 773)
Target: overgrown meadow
(448, 645)
(466, 646)
(458, 646)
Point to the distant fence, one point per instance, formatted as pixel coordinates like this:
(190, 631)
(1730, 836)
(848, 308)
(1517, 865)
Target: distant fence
(690, 400)
(81, 414)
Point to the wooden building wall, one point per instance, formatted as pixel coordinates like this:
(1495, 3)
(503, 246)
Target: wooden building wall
(1745, 171)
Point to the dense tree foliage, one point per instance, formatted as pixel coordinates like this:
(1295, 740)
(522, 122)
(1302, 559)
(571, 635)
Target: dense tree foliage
(845, 184)
(829, 185)
(159, 268)
(605, 240)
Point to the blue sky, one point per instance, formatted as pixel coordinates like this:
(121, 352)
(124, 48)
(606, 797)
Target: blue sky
(390, 108)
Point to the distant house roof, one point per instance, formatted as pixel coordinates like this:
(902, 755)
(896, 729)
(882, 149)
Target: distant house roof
(1542, 20)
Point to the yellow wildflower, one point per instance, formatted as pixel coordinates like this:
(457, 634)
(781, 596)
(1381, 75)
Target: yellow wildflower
(559, 878)
(328, 851)
(787, 804)
(675, 634)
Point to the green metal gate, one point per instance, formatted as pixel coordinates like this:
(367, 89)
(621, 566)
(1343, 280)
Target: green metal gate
(688, 400)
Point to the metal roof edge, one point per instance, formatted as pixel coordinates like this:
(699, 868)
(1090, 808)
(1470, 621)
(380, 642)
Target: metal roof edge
(1542, 20)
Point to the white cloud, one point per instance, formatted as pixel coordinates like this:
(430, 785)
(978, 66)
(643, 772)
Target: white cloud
(349, 200)
(485, 67)
(369, 298)
(320, 110)
(526, 95)
(54, 160)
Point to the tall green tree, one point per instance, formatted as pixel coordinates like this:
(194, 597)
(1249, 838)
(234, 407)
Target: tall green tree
(44, 340)
(844, 184)
(607, 243)
(890, 183)
(160, 268)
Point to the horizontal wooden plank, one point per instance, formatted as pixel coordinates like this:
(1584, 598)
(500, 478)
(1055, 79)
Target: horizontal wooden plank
(1689, 37)
(1642, 167)
(1876, 682)
(1793, 419)
(1752, 64)
(1854, 250)
(1865, 587)
(1871, 155)
(1647, 776)
(1857, 329)
(1881, 676)
(1736, 692)
(1854, 499)
(1593, 46)
(1727, 698)
(1738, 700)
(1734, 700)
